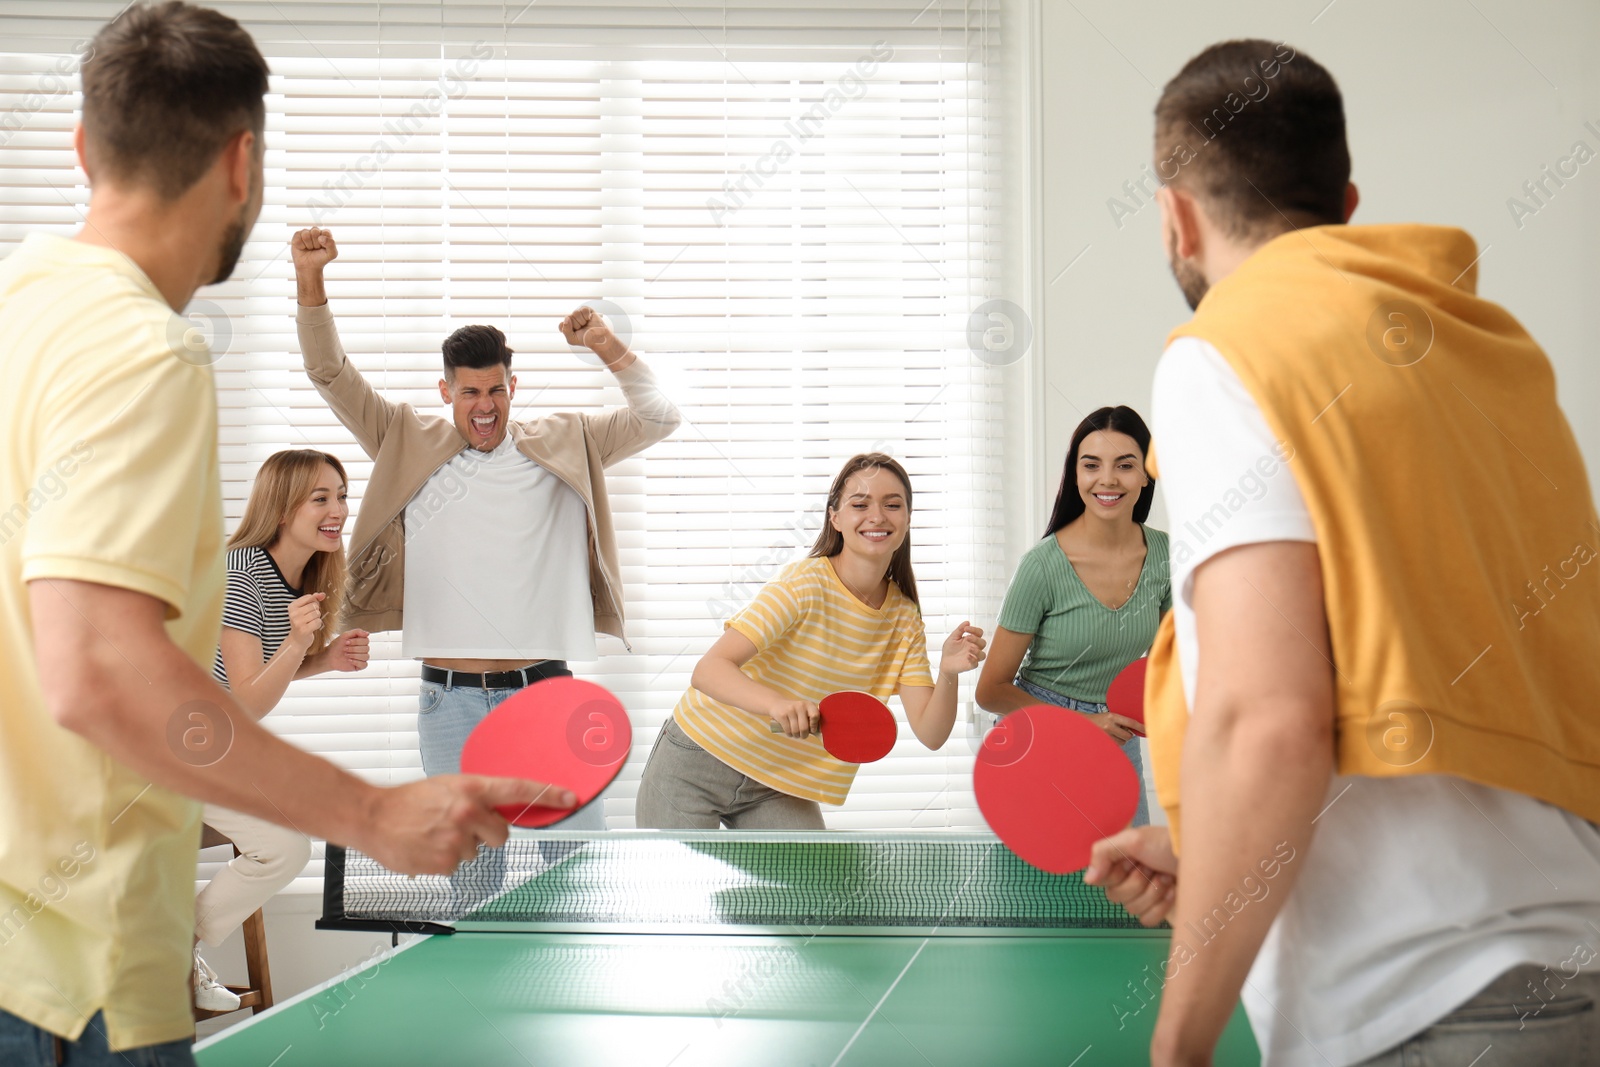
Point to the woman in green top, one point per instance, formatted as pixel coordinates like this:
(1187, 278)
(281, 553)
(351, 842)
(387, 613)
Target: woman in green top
(1086, 599)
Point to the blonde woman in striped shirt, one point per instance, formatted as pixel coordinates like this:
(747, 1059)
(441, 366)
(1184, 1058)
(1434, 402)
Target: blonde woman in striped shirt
(845, 617)
(286, 573)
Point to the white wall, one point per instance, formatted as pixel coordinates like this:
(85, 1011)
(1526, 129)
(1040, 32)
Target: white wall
(1449, 111)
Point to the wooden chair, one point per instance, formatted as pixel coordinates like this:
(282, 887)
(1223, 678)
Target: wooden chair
(257, 995)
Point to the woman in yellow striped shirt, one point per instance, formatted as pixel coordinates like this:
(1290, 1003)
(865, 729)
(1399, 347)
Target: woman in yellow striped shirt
(845, 617)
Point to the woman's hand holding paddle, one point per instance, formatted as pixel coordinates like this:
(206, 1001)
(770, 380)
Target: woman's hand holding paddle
(1124, 714)
(1118, 727)
(798, 718)
(1137, 869)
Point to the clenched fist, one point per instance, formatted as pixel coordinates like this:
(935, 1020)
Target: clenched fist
(588, 328)
(305, 619)
(313, 249)
(350, 651)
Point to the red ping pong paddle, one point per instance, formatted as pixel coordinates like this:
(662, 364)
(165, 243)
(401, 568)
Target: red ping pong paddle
(855, 727)
(1126, 695)
(569, 733)
(1050, 783)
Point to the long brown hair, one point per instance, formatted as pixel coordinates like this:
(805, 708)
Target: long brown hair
(830, 542)
(284, 483)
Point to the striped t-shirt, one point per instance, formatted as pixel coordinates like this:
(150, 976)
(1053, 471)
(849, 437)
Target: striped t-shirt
(257, 603)
(1080, 645)
(813, 637)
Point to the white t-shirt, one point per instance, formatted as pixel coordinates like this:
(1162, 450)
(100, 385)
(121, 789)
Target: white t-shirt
(1416, 891)
(497, 563)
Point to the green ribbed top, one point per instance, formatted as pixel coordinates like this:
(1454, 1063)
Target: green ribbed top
(1079, 644)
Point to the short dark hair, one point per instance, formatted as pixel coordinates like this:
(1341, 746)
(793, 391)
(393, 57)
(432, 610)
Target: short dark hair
(477, 347)
(1069, 502)
(1257, 130)
(165, 87)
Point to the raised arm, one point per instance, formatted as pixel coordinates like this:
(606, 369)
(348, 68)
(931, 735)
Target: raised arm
(364, 412)
(932, 711)
(649, 415)
(258, 683)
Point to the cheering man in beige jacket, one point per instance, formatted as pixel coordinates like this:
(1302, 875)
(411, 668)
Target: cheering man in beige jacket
(487, 542)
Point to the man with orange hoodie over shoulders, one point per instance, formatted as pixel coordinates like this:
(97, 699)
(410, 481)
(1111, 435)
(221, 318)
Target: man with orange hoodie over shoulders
(1371, 709)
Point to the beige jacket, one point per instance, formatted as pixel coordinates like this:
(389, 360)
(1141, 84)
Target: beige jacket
(407, 448)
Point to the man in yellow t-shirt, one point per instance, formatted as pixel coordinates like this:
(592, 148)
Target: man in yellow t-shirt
(111, 578)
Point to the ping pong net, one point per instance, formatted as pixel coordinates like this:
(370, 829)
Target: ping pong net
(631, 881)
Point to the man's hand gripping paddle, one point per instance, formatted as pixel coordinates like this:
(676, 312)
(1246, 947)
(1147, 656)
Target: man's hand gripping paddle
(557, 730)
(1050, 783)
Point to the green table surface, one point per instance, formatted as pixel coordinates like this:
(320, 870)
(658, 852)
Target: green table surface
(687, 1000)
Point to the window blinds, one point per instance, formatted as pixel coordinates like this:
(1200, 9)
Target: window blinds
(790, 212)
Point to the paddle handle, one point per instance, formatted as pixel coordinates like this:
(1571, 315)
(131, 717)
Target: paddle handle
(777, 727)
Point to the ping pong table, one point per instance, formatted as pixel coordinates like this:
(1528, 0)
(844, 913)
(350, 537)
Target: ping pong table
(646, 948)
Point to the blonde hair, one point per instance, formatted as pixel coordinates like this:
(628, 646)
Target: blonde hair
(830, 542)
(285, 482)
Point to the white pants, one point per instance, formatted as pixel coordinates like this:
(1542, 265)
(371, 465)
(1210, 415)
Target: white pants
(269, 858)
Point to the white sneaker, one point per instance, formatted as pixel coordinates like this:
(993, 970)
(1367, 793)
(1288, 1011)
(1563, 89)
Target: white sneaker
(209, 993)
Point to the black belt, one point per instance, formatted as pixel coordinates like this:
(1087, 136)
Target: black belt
(523, 676)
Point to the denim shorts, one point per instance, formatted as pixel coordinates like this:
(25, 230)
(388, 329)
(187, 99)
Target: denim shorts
(1141, 814)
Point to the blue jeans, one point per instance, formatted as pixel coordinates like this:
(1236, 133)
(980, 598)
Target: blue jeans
(1141, 814)
(444, 719)
(24, 1045)
(445, 716)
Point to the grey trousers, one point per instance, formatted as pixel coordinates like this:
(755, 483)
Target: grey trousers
(687, 788)
(1532, 1016)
